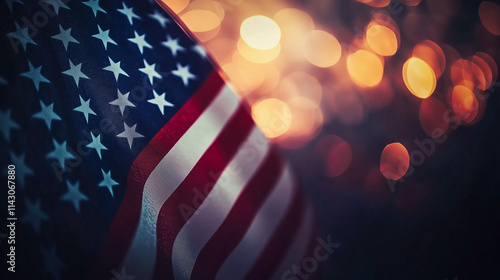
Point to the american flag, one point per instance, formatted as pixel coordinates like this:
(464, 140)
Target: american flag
(133, 158)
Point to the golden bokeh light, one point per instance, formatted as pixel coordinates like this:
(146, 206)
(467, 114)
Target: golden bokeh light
(382, 40)
(485, 71)
(293, 23)
(321, 48)
(431, 53)
(464, 103)
(302, 84)
(201, 20)
(432, 117)
(489, 13)
(491, 63)
(176, 5)
(461, 74)
(260, 32)
(336, 153)
(245, 75)
(375, 3)
(256, 55)
(419, 77)
(394, 161)
(273, 117)
(365, 68)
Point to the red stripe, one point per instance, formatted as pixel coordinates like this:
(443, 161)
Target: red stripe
(202, 178)
(282, 238)
(239, 219)
(122, 230)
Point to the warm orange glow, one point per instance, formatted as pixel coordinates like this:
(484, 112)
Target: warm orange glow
(273, 117)
(176, 5)
(256, 55)
(431, 53)
(307, 120)
(321, 49)
(301, 84)
(201, 20)
(485, 71)
(461, 74)
(382, 40)
(432, 117)
(293, 23)
(221, 49)
(375, 3)
(394, 161)
(365, 68)
(260, 32)
(491, 63)
(464, 103)
(245, 75)
(489, 13)
(419, 77)
(336, 153)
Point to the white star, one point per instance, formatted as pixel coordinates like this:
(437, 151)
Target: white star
(160, 101)
(74, 195)
(10, 2)
(160, 19)
(129, 12)
(85, 108)
(22, 170)
(75, 72)
(6, 124)
(107, 181)
(22, 35)
(183, 73)
(129, 133)
(201, 51)
(56, 4)
(104, 37)
(34, 216)
(60, 153)
(97, 145)
(115, 68)
(47, 114)
(52, 263)
(122, 101)
(140, 41)
(173, 45)
(94, 5)
(65, 37)
(35, 74)
(149, 69)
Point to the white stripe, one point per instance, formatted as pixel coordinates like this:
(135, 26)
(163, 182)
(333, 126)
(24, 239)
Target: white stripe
(215, 208)
(265, 223)
(169, 173)
(299, 246)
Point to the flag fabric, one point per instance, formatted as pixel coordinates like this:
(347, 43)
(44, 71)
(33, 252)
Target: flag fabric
(129, 155)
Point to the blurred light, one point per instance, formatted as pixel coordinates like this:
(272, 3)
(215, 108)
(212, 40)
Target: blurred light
(432, 117)
(321, 48)
(294, 23)
(176, 5)
(336, 153)
(394, 161)
(464, 103)
(419, 77)
(245, 75)
(489, 13)
(260, 32)
(382, 40)
(302, 84)
(221, 49)
(273, 117)
(365, 68)
(485, 71)
(307, 120)
(256, 55)
(491, 63)
(201, 20)
(375, 3)
(461, 74)
(432, 54)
